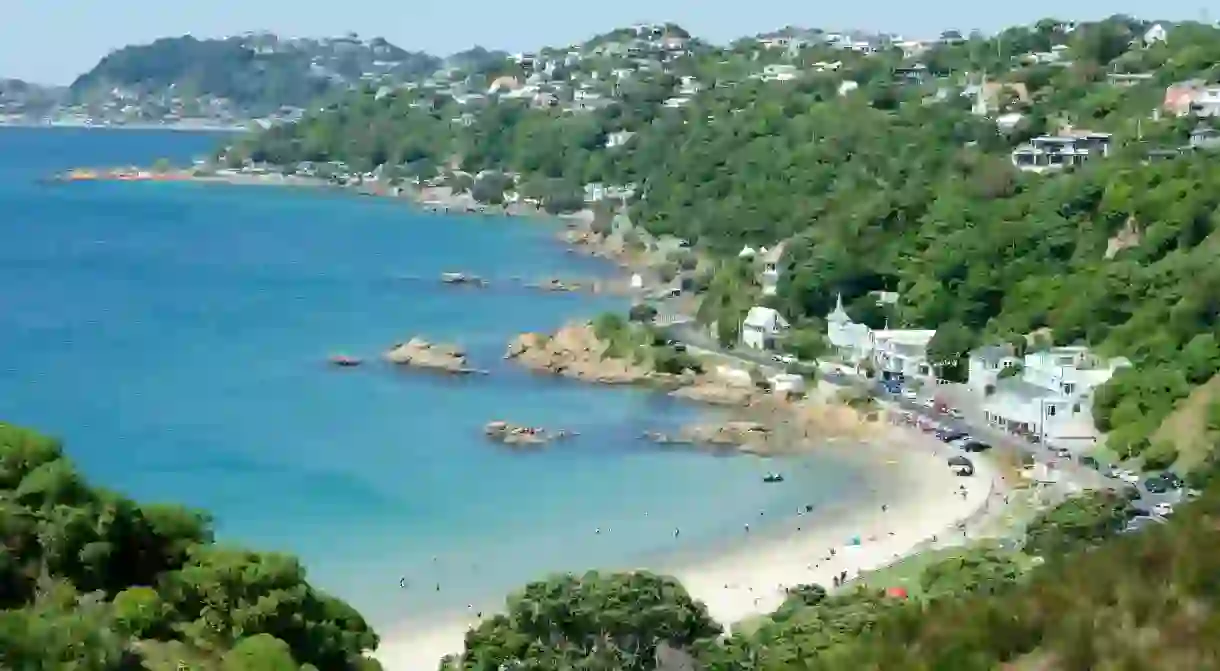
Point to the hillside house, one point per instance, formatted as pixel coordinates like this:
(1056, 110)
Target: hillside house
(1055, 152)
(768, 278)
(1052, 397)
(894, 353)
(985, 366)
(1193, 97)
(762, 327)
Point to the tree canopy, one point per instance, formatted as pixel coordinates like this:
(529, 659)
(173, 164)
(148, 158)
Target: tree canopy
(91, 580)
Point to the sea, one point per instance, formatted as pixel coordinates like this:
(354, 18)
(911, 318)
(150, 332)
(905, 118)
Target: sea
(176, 336)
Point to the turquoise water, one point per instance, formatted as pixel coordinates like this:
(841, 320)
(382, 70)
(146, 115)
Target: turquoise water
(175, 336)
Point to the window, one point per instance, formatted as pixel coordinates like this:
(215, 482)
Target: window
(1075, 408)
(1068, 387)
(1050, 411)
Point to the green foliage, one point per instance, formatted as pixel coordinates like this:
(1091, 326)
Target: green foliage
(594, 621)
(806, 344)
(85, 574)
(236, 71)
(1081, 521)
(642, 312)
(981, 570)
(259, 653)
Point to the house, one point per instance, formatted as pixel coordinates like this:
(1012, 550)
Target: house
(915, 74)
(769, 277)
(894, 353)
(1071, 148)
(992, 96)
(952, 37)
(847, 86)
(1156, 34)
(762, 327)
(986, 364)
(777, 72)
(1193, 97)
(618, 138)
(1204, 137)
(1128, 79)
(1052, 397)
(503, 84)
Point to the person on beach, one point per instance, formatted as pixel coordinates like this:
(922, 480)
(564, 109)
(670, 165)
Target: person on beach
(677, 531)
(747, 528)
(884, 507)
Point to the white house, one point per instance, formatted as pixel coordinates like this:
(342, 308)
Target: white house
(788, 384)
(986, 364)
(1157, 33)
(769, 277)
(1052, 397)
(893, 352)
(761, 328)
(1058, 151)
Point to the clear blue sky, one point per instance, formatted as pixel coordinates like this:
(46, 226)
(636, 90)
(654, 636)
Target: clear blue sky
(52, 41)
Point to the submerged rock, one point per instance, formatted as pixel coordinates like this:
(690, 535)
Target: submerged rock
(513, 434)
(743, 434)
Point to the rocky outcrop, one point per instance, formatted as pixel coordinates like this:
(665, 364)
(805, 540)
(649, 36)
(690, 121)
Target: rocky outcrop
(716, 393)
(574, 351)
(462, 279)
(420, 353)
(524, 436)
(743, 434)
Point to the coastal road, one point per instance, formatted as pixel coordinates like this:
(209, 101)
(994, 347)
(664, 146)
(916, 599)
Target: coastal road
(1077, 477)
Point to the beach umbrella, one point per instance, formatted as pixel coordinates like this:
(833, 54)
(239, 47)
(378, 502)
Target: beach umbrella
(896, 592)
(854, 540)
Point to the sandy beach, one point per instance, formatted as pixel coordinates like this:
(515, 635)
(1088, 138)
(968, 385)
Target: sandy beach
(923, 504)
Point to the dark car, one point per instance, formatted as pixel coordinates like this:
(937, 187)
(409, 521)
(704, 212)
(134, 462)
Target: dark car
(1171, 480)
(1156, 484)
(1090, 462)
(950, 435)
(976, 446)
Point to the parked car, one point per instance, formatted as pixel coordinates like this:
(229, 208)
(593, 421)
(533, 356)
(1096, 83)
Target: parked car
(1089, 462)
(1172, 480)
(1061, 452)
(1163, 509)
(1127, 476)
(784, 358)
(1156, 485)
(909, 395)
(950, 435)
(961, 466)
(1141, 522)
(975, 446)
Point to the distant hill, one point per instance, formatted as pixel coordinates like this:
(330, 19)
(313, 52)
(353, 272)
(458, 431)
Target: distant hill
(256, 72)
(21, 96)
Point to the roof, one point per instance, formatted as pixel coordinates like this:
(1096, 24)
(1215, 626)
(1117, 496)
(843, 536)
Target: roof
(767, 318)
(1021, 390)
(838, 314)
(909, 349)
(991, 353)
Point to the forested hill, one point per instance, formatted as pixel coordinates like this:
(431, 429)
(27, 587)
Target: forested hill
(884, 166)
(93, 581)
(256, 73)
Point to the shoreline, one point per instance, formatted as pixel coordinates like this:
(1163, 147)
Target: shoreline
(744, 578)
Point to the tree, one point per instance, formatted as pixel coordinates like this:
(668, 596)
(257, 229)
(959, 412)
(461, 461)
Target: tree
(642, 312)
(974, 571)
(1079, 522)
(595, 621)
(949, 349)
(806, 344)
(259, 653)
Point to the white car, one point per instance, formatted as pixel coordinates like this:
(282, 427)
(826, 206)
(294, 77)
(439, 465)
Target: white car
(1128, 477)
(909, 395)
(1163, 509)
(784, 358)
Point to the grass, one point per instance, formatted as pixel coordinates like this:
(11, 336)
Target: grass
(1186, 427)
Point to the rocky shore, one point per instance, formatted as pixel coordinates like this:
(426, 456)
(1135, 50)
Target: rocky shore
(420, 353)
(575, 351)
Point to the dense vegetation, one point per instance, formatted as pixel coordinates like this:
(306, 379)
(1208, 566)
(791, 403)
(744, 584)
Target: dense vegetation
(92, 581)
(257, 80)
(895, 186)
(1094, 599)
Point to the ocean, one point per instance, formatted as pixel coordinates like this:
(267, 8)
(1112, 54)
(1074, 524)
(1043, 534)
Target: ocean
(176, 335)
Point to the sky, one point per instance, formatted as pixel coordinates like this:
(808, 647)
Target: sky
(53, 41)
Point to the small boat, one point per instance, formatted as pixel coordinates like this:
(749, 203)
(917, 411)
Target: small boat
(773, 477)
(345, 361)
